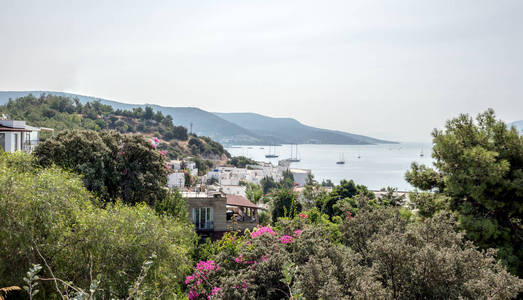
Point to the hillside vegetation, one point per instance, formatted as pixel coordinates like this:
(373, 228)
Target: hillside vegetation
(228, 128)
(61, 113)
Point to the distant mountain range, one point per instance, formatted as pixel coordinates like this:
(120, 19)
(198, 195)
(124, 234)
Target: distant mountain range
(230, 128)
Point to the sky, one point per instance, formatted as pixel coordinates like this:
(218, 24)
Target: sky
(387, 69)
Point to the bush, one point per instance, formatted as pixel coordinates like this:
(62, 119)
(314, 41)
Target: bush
(49, 209)
(112, 165)
(381, 255)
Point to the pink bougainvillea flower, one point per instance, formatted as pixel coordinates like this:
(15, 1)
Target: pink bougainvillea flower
(162, 152)
(349, 214)
(156, 140)
(262, 231)
(303, 216)
(286, 239)
(297, 232)
(216, 291)
(238, 259)
(193, 294)
(189, 279)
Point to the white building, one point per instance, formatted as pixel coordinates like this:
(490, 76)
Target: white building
(18, 136)
(239, 190)
(176, 180)
(300, 175)
(175, 164)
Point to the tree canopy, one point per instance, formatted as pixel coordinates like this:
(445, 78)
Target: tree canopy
(112, 165)
(479, 169)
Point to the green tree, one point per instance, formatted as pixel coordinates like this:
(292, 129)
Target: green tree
(112, 165)
(344, 195)
(254, 192)
(285, 205)
(312, 192)
(268, 184)
(479, 167)
(287, 181)
(241, 161)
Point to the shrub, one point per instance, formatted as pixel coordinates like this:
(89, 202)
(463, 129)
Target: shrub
(50, 210)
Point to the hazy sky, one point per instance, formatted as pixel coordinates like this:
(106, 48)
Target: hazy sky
(387, 69)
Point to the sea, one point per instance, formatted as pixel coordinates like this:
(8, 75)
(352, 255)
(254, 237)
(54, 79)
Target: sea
(376, 166)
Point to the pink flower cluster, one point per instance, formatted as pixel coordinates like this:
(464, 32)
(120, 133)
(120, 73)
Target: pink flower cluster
(262, 231)
(349, 215)
(203, 268)
(154, 142)
(297, 232)
(286, 239)
(216, 291)
(303, 216)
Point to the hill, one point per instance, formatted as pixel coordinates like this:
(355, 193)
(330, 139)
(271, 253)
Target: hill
(287, 130)
(228, 128)
(63, 113)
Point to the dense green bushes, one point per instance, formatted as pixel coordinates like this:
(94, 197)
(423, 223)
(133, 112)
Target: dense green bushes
(49, 210)
(381, 255)
(113, 165)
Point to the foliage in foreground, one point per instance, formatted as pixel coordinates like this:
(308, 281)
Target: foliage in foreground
(380, 254)
(49, 211)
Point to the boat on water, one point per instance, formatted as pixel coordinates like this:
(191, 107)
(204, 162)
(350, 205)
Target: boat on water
(294, 158)
(341, 161)
(421, 154)
(272, 154)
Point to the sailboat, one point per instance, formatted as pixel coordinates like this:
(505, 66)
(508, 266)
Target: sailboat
(421, 154)
(273, 154)
(341, 161)
(294, 159)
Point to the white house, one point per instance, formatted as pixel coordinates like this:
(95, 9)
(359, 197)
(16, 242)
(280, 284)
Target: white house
(176, 180)
(18, 136)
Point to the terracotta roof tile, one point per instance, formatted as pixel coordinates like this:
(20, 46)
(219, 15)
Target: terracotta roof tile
(237, 200)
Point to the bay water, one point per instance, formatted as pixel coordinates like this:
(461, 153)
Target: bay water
(378, 166)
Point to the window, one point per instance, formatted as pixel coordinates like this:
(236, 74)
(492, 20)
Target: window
(203, 218)
(2, 141)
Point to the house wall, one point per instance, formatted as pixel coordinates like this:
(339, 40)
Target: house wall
(176, 180)
(219, 209)
(10, 141)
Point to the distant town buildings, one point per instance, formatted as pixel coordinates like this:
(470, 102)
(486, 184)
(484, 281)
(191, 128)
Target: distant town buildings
(221, 205)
